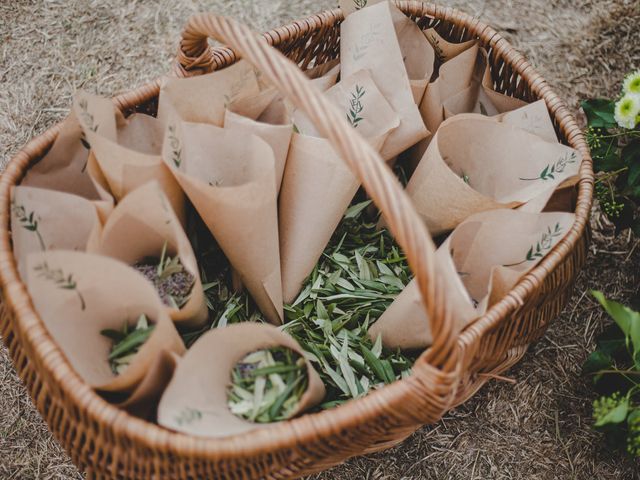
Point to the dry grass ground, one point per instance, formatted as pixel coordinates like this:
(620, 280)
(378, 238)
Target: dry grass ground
(537, 428)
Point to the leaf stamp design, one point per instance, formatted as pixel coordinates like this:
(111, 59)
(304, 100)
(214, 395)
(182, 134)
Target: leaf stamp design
(542, 246)
(174, 143)
(435, 43)
(89, 121)
(549, 172)
(356, 107)
(360, 4)
(28, 221)
(188, 415)
(60, 279)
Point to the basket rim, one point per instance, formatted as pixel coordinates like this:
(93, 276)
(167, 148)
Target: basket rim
(307, 428)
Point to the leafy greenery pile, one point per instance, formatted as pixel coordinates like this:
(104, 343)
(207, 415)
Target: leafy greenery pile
(615, 370)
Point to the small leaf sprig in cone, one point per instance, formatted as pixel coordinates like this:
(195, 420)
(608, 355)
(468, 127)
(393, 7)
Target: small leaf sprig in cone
(172, 282)
(127, 342)
(267, 385)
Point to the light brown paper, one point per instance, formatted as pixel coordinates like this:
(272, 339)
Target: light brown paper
(488, 254)
(364, 106)
(350, 6)
(230, 179)
(276, 131)
(368, 41)
(318, 186)
(67, 168)
(195, 401)
(50, 220)
(79, 294)
(445, 50)
(138, 228)
(475, 164)
(325, 75)
(127, 150)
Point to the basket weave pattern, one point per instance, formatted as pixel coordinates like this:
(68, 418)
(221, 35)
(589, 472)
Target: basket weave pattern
(108, 443)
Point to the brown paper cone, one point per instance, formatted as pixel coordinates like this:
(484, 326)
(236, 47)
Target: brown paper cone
(475, 164)
(363, 104)
(405, 323)
(79, 294)
(492, 250)
(418, 54)
(195, 401)
(126, 150)
(49, 220)
(276, 131)
(138, 228)
(67, 168)
(445, 50)
(230, 179)
(325, 75)
(204, 98)
(318, 186)
(368, 41)
(482, 260)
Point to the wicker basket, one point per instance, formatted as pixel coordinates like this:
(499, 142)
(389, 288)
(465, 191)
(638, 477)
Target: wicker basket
(108, 443)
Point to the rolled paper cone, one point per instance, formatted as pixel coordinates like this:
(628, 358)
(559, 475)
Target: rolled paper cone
(456, 73)
(204, 98)
(368, 41)
(363, 104)
(252, 106)
(445, 50)
(478, 273)
(534, 118)
(469, 167)
(230, 179)
(44, 219)
(195, 402)
(317, 186)
(127, 151)
(139, 227)
(418, 54)
(74, 294)
(525, 238)
(405, 323)
(66, 168)
(277, 133)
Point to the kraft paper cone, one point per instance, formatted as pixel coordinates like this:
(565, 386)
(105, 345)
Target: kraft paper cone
(475, 164)
(230, 179)
(534, 118)
(318, 186)
(138, 228)
(364, 106)
(368, 41)
(493, 250)
(195, 401)
(50, 220)
(405, 323)
(127, 150)
(276, 131)
(67, 168)
(204, 98)
(418, 54)
(445, 50)
(488, 254)
(79, 294)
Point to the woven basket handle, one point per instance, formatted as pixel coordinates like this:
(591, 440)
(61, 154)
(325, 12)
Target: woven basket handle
(378, 180)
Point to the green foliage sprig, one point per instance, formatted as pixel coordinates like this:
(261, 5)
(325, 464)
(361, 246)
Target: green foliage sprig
(28, 221)
(356, 107)
(615, 148)
(127, 342)
(60, 279)
(615, 370)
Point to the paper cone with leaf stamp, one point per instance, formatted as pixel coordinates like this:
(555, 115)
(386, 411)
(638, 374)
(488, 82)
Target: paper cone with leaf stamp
(138, 230)
(275, 129)
(230, 179)
(126, 150)
(67, 167)
(195, 402)
(483, 259)
(78, 295)
(475, 164)
(318, 186)
(368, 41)
(44, 219)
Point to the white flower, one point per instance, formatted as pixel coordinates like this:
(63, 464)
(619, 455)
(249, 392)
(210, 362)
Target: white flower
(632, 83)
(627, 110)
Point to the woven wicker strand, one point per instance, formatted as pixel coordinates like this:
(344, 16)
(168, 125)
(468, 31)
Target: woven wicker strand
(108, 443)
